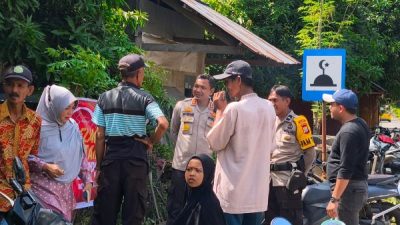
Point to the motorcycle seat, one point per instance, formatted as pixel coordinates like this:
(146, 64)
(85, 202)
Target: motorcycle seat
(380, 192)
(316, 193)
(386, 139)
(381, 179)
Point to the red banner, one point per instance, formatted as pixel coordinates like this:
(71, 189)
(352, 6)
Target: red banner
(83, 116)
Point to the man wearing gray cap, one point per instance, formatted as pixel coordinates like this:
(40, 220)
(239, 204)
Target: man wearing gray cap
(243, 136)
(348, 158)
(19, 129)
(122, 145)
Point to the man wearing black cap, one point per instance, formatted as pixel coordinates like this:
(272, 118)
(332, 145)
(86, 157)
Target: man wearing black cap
(243, 137)
(122, 145)
(348, 158)
(19, 128)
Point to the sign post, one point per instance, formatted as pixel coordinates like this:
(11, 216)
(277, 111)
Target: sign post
(324, 72)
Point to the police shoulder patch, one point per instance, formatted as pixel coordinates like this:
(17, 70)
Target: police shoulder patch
(303, 132)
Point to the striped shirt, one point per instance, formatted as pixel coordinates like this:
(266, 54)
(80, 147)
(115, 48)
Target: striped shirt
(124, 111)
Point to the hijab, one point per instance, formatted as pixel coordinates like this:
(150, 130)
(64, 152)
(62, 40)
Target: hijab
(202, 205)
(61, 144)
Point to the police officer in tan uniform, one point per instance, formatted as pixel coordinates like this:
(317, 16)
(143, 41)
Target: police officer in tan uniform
(191, 120)
(294, 150)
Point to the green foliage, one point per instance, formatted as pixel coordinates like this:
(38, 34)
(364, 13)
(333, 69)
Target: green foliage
(265, 78)
(275, 21)
(153, 83)
(232, 9)
(20, 37)
(323, 25)
(382, 18)
(28, 29)
(80, 70)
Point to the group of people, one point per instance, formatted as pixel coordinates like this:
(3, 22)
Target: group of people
(48, 142)
(258, 144)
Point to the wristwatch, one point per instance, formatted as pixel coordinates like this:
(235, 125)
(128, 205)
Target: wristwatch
(334, 200)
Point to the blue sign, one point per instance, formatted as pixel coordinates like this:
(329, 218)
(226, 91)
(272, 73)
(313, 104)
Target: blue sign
(324, 72)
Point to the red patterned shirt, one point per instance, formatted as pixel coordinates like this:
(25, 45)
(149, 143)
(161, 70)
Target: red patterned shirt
(20, 138)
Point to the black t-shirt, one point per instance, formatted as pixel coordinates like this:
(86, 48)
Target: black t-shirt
(349, 154)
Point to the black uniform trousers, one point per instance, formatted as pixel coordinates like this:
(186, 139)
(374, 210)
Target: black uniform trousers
(121, 181)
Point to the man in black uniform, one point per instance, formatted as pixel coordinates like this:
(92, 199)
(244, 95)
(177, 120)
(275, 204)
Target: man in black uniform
(347, 161)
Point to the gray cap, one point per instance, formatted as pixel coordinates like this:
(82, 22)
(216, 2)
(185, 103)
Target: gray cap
(20, 72)
(235, 68)
(131, 62)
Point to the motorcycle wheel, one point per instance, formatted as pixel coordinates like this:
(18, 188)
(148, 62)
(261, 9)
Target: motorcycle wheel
(393, 216)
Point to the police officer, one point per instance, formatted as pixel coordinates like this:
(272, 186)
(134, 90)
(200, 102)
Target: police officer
(294, 150)
(191, 120)
(122, 145)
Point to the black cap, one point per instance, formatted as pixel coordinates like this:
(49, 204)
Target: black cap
(238, 67)
(20, 72)
(131, 63)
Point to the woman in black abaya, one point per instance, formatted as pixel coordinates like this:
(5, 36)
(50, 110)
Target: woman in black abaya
(202, 206)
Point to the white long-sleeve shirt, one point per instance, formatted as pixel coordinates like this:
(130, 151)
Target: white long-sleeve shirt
(243, 139)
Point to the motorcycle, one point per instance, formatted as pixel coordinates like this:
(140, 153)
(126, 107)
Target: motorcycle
(26, 208)
(384, 153)
(376, 211)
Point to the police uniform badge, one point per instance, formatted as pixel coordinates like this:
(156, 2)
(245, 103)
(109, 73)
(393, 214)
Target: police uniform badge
(187, 120)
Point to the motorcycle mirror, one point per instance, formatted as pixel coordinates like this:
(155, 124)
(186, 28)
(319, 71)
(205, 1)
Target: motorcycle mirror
(398, 187)
(19, 171)
(280, 221)
(17, 187)
(7, 198)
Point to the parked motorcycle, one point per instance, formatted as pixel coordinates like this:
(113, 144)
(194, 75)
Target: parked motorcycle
(376, 211)
(384, 153)
(26, 208)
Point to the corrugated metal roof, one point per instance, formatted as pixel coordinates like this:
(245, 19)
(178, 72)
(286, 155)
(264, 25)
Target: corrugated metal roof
(247, 38)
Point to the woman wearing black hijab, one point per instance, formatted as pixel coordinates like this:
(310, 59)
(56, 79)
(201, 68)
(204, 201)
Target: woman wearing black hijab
(202, 206)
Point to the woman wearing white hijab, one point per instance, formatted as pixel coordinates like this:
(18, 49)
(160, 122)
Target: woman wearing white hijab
(61, 153)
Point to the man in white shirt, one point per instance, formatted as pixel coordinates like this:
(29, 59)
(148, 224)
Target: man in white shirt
(243, 136)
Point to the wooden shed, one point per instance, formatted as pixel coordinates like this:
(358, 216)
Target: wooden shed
(174, 38)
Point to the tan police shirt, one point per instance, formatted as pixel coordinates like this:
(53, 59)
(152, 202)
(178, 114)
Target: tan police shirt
(288, 148)
(189, 127)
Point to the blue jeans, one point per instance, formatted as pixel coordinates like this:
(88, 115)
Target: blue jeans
(244, 219)
(3, 222)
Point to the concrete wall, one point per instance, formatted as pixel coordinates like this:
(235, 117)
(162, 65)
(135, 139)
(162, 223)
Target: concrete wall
(163, 26)
(167, 23)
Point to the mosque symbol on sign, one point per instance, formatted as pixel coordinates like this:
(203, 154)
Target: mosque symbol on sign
(323, 80)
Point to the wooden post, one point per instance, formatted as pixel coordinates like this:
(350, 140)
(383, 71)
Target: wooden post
(323, 128)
